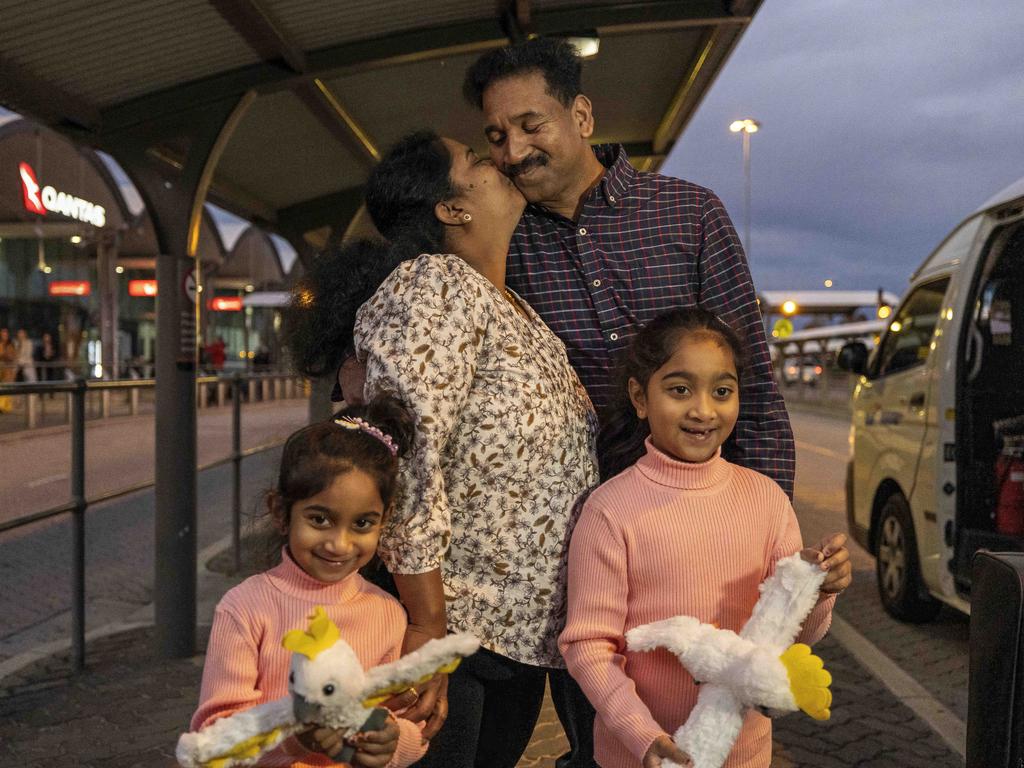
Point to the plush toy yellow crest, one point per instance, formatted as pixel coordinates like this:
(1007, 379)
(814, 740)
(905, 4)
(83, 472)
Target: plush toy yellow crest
(321, 634)
(759, 667)
(327, 687)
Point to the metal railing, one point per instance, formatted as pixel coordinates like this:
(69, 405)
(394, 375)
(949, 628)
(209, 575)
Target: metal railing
(240, 386)
(33, 403)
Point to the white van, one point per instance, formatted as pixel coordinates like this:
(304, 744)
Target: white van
(937, 435)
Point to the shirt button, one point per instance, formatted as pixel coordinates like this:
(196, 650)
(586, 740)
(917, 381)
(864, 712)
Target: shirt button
(611, 198)
(613, 336)
(596, 283)
(583, 230)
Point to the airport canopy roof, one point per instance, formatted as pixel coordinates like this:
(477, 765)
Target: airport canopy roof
(323, 87)
(825, 302)
(842, 331)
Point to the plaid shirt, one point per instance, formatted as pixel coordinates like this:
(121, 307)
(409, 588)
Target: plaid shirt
(645, 243)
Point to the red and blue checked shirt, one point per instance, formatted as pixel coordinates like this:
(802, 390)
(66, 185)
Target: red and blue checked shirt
(646, 243)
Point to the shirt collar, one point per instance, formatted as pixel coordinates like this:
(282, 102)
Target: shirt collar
(618, 179)
(620, 176)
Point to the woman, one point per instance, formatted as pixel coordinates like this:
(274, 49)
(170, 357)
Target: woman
(503, 447)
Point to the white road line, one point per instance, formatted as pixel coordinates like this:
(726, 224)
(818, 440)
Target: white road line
(946, 725)
(822, 451)
(47, 479)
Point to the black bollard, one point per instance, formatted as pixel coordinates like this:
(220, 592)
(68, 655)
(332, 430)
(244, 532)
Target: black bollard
(995, 704)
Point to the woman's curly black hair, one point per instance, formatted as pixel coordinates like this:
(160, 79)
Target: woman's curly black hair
(400, 197)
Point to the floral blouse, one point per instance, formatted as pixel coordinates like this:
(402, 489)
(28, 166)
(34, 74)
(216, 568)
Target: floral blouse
(504, 447)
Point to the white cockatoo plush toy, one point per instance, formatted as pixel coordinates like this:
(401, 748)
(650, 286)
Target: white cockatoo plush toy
(327, 687)
(759, 667)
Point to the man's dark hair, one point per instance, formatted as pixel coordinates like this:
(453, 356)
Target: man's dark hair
(554, 58)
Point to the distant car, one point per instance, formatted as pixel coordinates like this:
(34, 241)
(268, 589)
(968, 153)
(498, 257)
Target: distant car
(794, 371)
(936, 470)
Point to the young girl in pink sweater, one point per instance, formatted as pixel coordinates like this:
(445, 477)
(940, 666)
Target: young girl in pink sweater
(680, 531)
(336, 483)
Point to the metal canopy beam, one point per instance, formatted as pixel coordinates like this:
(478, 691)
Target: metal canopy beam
(262, 31)
(411, 46)
(334, 210)
(30, 95)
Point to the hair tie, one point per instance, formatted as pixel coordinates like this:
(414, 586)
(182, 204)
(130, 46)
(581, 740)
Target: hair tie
(354, 422)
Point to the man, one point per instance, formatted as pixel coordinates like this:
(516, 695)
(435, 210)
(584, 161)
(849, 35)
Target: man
(602, 249)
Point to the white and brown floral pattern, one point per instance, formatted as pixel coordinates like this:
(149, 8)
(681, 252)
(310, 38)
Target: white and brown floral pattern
(504, 447)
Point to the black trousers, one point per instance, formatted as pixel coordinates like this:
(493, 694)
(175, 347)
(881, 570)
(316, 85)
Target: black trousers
(577, 717)
(493, 704)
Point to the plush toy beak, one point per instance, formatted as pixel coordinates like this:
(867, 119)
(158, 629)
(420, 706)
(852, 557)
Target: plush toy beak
(304, 711)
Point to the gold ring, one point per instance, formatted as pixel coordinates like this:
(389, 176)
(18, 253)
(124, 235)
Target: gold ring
(413, 691)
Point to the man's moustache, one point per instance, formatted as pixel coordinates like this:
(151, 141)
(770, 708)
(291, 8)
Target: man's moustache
(534, 161)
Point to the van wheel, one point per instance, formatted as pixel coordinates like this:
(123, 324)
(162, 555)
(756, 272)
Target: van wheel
(899, 574)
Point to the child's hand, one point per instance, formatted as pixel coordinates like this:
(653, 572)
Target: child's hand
(833, 556)
(329, 741)
(374, 749)
(664, 747)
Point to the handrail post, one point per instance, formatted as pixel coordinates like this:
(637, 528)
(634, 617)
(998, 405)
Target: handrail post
(236, 469)
(78, 525)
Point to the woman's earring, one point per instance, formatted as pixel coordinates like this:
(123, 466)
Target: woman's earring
(466, 217)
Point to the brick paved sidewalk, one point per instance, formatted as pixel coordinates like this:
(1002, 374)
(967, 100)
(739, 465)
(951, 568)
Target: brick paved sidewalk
(129, 706)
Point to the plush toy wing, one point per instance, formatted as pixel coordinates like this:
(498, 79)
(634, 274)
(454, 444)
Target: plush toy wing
(240, 739)
(757, 668)
(787, 596)
(437, 656)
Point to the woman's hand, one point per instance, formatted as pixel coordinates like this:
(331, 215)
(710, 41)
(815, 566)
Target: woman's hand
(374, 749)
(663, 747)
(428, 701)
(423, 597)
(833, 556)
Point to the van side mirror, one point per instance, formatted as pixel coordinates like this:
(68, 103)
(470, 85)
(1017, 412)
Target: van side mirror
(853, 357)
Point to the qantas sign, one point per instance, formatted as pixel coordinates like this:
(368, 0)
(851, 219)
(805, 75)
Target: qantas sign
(39, 200)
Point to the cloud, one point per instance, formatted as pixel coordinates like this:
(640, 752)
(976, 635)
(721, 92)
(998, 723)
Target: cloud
(884, 124)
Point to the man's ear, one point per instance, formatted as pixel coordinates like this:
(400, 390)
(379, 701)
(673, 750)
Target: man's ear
(449, 214)
(583, 116)
(638, 397)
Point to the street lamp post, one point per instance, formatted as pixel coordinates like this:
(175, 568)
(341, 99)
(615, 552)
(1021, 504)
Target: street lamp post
(746, 126)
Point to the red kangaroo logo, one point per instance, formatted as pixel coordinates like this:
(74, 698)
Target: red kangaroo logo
(30, 189)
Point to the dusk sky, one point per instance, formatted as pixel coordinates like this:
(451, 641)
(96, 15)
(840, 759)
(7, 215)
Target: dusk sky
(883, 125)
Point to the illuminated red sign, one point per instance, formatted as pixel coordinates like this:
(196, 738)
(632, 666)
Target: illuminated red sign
(40, 199)
(70, 288)
(145, 288)
(30, 189)
(226, 304)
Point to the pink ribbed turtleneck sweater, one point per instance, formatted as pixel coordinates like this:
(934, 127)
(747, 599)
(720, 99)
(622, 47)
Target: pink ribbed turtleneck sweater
(661, 539)
(246, 665)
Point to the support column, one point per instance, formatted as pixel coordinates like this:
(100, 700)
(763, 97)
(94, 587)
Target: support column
(106, 264)
(175, 203)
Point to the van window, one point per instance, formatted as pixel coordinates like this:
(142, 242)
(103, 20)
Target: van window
(909, 337)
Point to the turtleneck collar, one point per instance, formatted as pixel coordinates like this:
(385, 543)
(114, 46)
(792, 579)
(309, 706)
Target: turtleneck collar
(664, 469)
(292, 580)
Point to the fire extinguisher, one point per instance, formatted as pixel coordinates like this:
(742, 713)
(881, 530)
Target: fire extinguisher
(1010, 487)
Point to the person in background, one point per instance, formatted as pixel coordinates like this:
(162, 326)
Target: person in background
(216, 354)
(46, 356)
(8, 367)
(26, 357)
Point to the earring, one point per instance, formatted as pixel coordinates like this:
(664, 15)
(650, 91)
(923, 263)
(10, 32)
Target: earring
(466, 217)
